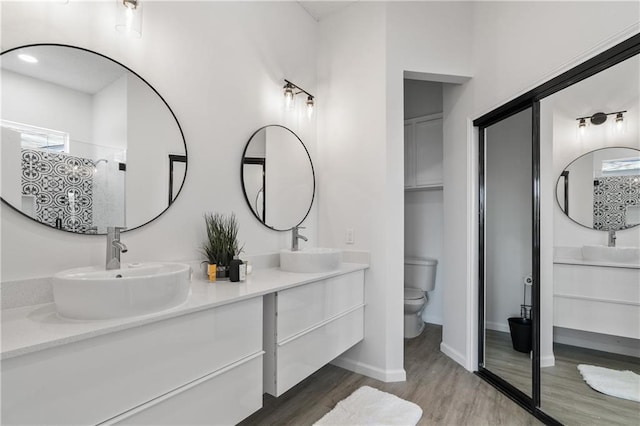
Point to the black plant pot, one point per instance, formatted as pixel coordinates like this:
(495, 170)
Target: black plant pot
(521, 334)
(222, 272)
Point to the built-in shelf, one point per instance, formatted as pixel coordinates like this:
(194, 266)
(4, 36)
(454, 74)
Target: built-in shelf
(423, 153)
(429, 187)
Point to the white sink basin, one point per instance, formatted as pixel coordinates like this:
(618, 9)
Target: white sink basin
(310, 260)
(630, 255)
(92, 293)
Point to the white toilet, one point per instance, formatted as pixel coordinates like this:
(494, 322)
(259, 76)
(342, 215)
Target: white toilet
(419, 277)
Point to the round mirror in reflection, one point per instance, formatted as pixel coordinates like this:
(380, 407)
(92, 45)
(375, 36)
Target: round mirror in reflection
(277, 177)
(601, 189)
(86, 142)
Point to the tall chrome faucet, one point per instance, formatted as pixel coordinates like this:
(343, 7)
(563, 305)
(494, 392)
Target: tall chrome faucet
(114, 247)
(612, 238)
(295, 236)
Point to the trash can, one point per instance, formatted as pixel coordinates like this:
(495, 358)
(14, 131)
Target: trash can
(521, 334)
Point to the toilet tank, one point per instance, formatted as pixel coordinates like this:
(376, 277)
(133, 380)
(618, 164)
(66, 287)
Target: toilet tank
(420, 272)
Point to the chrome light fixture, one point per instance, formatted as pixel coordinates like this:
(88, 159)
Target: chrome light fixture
(600, 117)
(291, 90)
(129, 17)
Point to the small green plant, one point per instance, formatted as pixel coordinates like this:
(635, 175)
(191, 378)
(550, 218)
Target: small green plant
(221, 244)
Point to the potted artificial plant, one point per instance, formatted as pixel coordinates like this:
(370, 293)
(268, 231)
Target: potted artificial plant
(221, 244)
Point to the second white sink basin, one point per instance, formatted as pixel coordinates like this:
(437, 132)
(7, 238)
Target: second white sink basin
(630, 255)
(93, 293)
(310, 260)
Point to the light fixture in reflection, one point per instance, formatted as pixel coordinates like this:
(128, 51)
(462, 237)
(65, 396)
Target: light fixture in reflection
(291, 90)
(129, 17)
(28, 58)
(600, 118)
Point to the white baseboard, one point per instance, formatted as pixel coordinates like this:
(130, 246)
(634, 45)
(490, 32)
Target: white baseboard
(597, 341)
(453, 354)
(498, 326)
(370, 371)
(433, 320)
(547, 361)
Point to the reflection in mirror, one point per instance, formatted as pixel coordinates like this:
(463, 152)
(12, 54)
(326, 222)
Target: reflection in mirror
(601, 189)
(278, 177)
(86, 142)
(594, 308)
(508, 243)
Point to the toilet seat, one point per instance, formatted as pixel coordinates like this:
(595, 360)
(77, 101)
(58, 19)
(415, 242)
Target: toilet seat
(413, 294)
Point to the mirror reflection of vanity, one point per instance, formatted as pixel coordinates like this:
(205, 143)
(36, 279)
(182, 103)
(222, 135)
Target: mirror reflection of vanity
(277, 177)
(601, 189)
(86, 142)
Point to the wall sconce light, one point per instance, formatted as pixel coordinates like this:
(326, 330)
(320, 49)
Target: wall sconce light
(129, 17)
(600, 117)
(291, 90)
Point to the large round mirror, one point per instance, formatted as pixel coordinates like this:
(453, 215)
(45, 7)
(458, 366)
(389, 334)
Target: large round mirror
(86, 142)
(277, 177)
(601, 189)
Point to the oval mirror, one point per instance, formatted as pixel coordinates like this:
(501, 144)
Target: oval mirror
(277, 177)
(601, 189)
(86, 142)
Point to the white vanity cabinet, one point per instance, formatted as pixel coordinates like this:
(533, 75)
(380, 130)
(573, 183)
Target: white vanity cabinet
(199, 368)
(306, 327)
(423, 152)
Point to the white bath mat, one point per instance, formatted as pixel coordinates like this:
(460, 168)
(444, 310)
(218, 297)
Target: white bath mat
(621, 384)
(369, 406)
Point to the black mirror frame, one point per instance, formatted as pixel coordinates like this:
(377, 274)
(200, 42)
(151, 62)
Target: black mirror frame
(565, 175)
(244, 191)
(154, 91)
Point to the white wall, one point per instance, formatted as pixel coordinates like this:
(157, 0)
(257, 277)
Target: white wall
(435, 38)
(220, 67)
(109, 114)
(36, 102)
(352, 175)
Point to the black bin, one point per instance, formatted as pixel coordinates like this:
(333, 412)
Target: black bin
(521, 334)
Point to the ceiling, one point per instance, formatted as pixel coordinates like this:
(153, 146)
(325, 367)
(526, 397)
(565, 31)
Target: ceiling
(321, 9)
(76, 69)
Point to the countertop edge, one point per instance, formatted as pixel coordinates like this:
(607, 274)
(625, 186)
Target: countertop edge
(188, 307)
(580, 262)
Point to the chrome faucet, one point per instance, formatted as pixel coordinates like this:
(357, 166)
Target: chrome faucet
(114, 247)
(612, 238)
(295, 236)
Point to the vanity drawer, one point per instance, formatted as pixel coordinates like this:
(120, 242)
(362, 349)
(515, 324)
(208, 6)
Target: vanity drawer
(305, 306)
(301, 356)
(90, 381)
(223, 398)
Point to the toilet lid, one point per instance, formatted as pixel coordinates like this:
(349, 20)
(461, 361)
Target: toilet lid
(413, 294)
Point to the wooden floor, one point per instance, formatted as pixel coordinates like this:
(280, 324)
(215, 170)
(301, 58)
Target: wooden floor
(447, 393)
(565, 396)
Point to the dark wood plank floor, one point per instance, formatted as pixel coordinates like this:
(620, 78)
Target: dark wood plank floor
(565, 395)
(447, 393)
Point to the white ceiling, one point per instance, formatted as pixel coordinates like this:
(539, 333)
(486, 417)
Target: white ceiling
(73, 68)
(321, 9)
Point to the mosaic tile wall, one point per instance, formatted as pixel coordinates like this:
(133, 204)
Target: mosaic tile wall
(63, 188)
(611, 196)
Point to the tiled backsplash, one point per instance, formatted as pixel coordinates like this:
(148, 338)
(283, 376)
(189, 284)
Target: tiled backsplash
(611, 197)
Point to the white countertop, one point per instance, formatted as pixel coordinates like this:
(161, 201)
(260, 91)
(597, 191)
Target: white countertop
(37, 327)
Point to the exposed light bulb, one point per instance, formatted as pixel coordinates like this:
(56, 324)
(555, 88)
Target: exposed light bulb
(619, 120)
(288, 96)
(129, 17)
(310, 105)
